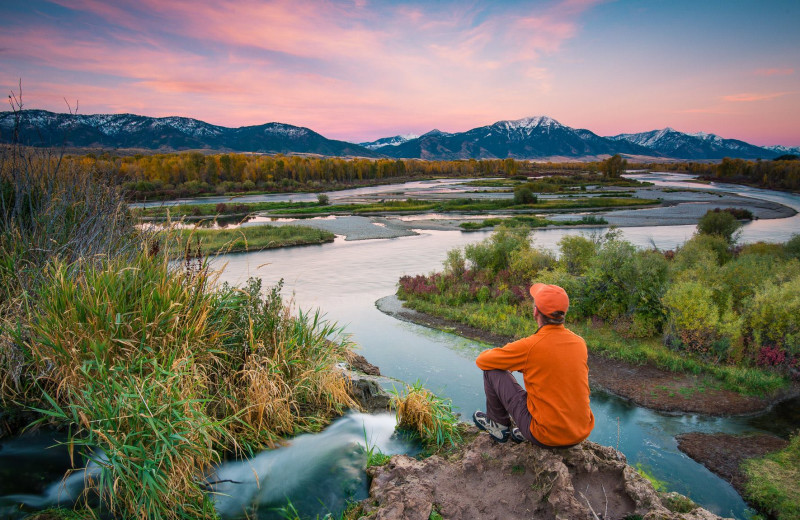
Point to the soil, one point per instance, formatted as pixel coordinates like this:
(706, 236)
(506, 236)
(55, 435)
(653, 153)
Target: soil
(723, 453)
(487, 480)
(644, 385)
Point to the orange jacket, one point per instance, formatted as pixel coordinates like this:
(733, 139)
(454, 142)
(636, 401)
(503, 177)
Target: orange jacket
(554, 367)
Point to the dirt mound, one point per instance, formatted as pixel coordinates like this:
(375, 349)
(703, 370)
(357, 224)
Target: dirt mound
(487, 480)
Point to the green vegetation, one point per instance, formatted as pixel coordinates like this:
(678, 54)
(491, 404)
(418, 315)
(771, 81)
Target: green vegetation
(658, 485)
(720, 223)
(429, 416)
(772, 481)
(212, 210)
(709, 308)
(677, 503)
(308, 209)
(206, 242)
(153, 368)
(532, 222)
(559, 183)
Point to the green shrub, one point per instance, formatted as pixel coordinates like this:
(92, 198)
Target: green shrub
(700, 245)
(719, 223)
(494, 253)
(455, 264)
(576, 253)
(524, 195)
(693, 316)
(527, 263)
(772, 316)
(580, 304)
(742, 276)
(792, 246)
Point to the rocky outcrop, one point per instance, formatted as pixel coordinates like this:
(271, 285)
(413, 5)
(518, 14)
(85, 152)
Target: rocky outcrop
(487, 480)
(367, 384)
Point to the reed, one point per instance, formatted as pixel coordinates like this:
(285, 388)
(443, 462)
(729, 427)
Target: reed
(428, 415)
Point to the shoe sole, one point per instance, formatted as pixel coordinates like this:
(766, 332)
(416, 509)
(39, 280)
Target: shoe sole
(481, 427)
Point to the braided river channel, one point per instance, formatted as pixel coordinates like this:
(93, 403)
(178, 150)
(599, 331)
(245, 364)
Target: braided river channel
(344, 279)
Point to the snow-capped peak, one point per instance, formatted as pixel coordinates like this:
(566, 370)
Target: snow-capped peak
(527, 123)
(389, 141)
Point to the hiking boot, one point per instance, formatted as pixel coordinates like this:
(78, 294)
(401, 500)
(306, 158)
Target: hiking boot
(516, 435)
(497, 432)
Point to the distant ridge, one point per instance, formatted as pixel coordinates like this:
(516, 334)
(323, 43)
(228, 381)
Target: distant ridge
(528, 138)
(42, 128)
(671, 143)
(538, 137)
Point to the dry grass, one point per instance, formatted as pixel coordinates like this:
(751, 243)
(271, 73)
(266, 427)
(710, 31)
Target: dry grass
(431, 417)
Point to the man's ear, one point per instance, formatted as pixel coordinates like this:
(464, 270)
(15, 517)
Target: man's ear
(535, 311)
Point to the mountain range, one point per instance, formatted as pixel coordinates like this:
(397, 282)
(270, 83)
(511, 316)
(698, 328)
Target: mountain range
(42, 128)
(538, 137)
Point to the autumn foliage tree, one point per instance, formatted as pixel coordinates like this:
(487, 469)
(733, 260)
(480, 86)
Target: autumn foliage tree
(614, 166)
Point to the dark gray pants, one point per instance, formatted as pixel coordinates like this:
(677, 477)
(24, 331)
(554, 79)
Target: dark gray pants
(506, 400)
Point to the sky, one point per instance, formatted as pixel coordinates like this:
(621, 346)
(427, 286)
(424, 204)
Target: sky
(358, 70)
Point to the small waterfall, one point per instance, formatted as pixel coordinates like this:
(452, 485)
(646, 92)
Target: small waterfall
(317, 473)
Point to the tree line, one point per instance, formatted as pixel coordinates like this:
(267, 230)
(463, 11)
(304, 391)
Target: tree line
(193, 173)
(783, 174)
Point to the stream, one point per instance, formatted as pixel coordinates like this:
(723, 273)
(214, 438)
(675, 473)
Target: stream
(344, 279)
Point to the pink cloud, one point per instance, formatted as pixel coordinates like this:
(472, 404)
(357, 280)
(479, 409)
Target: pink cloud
(751, 96)
(774, 72)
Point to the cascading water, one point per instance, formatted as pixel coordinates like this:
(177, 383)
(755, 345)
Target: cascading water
(314, 472)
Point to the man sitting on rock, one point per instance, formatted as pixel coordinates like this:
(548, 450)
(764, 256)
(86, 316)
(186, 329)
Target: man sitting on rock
(553, 408)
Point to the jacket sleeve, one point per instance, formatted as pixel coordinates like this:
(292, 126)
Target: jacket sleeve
(512, 356)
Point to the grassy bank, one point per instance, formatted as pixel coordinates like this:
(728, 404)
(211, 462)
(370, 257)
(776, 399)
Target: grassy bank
(205, 242)
(469, 205)
(155, 370)
(532, 222)
(772, 481)
(601, 339)
(709, 308)
(305, 209)
(179, 211)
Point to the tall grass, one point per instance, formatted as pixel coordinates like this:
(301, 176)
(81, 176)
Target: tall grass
(429, 416)
(154, 368)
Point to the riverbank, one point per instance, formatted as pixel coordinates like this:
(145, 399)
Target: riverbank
(643, 385)
(762, 468)
(723, 454)
(209, 242)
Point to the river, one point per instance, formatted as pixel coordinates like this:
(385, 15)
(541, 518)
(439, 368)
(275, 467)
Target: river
(345, 279)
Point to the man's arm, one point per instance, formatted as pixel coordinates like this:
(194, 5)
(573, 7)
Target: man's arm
(510, 357)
